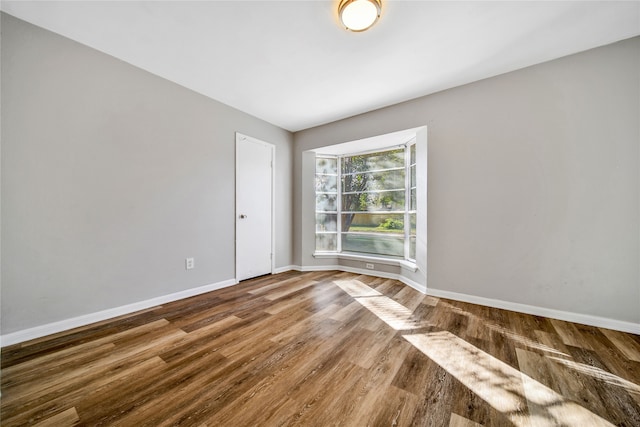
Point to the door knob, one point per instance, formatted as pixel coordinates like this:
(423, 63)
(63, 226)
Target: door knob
(243, 216)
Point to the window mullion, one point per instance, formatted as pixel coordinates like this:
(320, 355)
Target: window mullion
(407, 200)
(339, 205)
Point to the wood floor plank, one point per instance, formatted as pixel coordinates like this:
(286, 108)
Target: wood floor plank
(221, 394)
(214, 316)
(569, 334)
(493, 380)
(472, 406)
(376, 388)
(67, 359)
(26, 351)
(206, 384)
(41, 406)
(627, 346)
(73, 352)
(280, 322)
(281, 285)
(120, 357)
(409, 298)
(323, 348)
(310, 322)
(625, 372)
(552, 344)
(398, 409)
(301, 301)
(279, 386)
(283, 292)
(560, 380)
(323, 404)
(62, 419)
(370, 355)
(347, 312)
(387, 287)
(622, 409)
(458, 421)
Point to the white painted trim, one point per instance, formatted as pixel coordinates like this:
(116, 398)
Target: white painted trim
(408, 265)
(374, 273)
(585, 319)
(286, 268)
(87, 319)
(415, 285)
(273, 208)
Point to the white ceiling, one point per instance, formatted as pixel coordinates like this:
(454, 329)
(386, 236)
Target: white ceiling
(291, 64)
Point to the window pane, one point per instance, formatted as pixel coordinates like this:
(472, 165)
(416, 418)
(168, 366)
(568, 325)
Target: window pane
(326, 222)
(326, 202)
(373, 223)
(372, 181)
(374, 202)
(391, 245)
(327, 166)
(412, 149)
(326, 183)
(373, 161)
(412, 223)
(412, 182)
(355, 183)
(326, 242)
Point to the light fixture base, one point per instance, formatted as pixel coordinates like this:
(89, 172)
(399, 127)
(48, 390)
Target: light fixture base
(359, 15)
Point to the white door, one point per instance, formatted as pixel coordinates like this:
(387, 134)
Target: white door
(254, 207)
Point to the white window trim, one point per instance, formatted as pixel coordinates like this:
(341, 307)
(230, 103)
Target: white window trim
(405, 261)
(353, 256)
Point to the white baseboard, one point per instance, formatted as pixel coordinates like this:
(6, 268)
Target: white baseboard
(87, 319)
(286, 268)
(415, 285)
(585, 319)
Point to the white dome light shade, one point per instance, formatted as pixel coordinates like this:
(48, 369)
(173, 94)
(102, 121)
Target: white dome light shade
(358, 15)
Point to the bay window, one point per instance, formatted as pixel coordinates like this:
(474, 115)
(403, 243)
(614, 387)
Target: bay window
(366, 203)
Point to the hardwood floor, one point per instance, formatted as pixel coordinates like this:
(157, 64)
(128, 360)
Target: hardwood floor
(319, 349)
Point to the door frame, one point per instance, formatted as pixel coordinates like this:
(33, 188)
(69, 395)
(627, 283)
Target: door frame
(241, 137)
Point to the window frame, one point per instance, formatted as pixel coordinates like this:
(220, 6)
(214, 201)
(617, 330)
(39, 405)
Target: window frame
(338, 203)
(406, 213)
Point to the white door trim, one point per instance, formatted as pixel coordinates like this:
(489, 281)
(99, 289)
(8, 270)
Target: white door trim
(239, 137)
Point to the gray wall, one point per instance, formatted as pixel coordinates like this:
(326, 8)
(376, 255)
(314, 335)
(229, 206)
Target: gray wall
(533, 185)
(111, 177)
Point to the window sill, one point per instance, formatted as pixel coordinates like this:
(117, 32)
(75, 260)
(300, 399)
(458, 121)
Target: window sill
(407, 265)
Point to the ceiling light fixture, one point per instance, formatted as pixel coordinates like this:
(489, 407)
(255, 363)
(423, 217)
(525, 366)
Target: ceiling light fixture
(359, 15)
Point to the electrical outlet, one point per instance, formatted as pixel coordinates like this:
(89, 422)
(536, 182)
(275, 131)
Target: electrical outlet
(370, 266)
(189, 263)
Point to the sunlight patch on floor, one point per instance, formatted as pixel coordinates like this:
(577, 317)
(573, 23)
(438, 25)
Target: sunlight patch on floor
(500, 385)
(356, 288)
(389, 311)
(507, 333)
(599, 374)
(523, 400)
